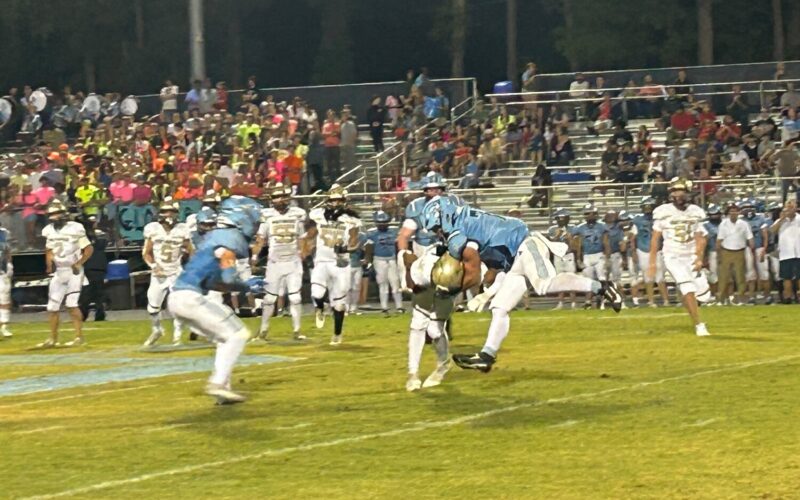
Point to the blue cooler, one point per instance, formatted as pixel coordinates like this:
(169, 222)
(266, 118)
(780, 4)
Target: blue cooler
(505, 87)
(118, 270)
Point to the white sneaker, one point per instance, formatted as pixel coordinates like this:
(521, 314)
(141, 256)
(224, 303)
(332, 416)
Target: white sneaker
(437, 376)
(623, 306)
(223, 394)
(413, 383)
(77, 341)
(320, 318)
(559, 306)
(5, 332)
(299, 336)
(336, 340)
(574, 305)
(603, 305)
(700, 330)
(153, 338)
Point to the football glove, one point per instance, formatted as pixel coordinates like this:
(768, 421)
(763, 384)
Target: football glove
(478, 302)
(256, 284)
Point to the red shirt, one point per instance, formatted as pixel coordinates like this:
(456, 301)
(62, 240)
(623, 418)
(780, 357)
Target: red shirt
(330, 131)
(682, 121)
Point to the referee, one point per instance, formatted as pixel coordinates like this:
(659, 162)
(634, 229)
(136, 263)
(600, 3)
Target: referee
(734, 239)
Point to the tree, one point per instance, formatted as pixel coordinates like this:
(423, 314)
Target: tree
(705, 32)
(511, 40)
(777, 30)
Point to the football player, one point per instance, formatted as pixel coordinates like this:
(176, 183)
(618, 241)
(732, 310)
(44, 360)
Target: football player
(335, 227)
(213, 266)
(711, 228)
(756, 263)
(591, 243)
(679, 223)
(359, 271)
(641, 234)
(430, 312)
(6, 275)
(66, 250)
(380, 250)
(166, 241)
(504, 244)
(774, 209)
(617, 246)
(281, 231)
(563, 232)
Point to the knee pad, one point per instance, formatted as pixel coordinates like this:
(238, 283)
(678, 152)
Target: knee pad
(317, 291)
(295, 298)
(339, 304)
(688, 287)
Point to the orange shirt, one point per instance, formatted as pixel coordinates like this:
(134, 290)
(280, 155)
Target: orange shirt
(294, 169)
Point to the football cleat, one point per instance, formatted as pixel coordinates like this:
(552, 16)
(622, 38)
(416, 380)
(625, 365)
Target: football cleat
(5, 332)
(336, 340)
(153, 338)
(612, 295)
(320, 319)
(47, 344)
(224, 396)
(401, 310)
(700, 330)
(413, 383)
(385, 313)
(297, 336)
(437, 376)
(480, 361)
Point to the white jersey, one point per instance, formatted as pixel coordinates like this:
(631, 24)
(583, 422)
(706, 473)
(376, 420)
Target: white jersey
(167, 245)
(678, 227)
(282, 232)
(66, 243)
(331, 233)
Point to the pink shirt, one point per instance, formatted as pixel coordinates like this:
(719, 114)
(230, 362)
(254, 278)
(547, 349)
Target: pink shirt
(43, 196)
(122, 191)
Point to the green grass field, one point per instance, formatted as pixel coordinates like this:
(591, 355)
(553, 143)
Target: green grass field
(580, 405)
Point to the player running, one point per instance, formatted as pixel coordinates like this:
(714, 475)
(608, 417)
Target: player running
(281, 231)
(213, 266)
(66, 251)
(680, 225)
(165, 243)
(503, 244)
(380, 250)
(6, 275)
(335, 228)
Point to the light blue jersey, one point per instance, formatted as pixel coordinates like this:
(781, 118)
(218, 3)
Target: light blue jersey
(559, 233)
(591, 237)
(202, 273)
(615, 236)
(712, 229)
(757, 223)
(498, 238)
(644, 231)
(414, 212)
(4, 248)
(358, 255)
(197, 238)
(383, 242)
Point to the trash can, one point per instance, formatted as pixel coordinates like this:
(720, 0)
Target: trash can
(118, 285)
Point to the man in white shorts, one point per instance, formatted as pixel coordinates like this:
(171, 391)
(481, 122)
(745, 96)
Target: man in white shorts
(336, 232)
(711, 228)
(166, 241)
(66, 250)
(641, 234)
(380, 250)
(680, 224)
(562, 231)
(757, 262)
(358, 271)
(281, 230)
(592, 245)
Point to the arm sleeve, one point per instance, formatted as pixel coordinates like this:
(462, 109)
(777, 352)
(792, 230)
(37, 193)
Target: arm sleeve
(456, 244)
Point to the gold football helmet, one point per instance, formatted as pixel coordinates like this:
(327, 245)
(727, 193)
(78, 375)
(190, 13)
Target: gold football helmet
(447, 274)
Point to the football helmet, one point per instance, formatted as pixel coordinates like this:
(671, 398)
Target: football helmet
(447, 274)
(381, 218)
(242, 213)
(440, 212)
(279, 197)
(57, 213)
(168, 213)
(206, 220)
(433, 180)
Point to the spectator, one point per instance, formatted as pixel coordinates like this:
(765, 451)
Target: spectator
(680, 124)
(790, 126)
(528, 81)
(90, 197)
(733, 239)
(194, 96)
(786, 161)
(331, 134)
(682, 85)
(472, 174)
(541, 182)
(250, 97)
(315, 159)
(376, 116)
(208, 97)
(791, 98)
(579, 89)
(32, 214)
(95, 269)
(169, 100)
(650, 105)
(787, 227)
(221, 104)
(424, 84)
(562, 152)
(739, 108)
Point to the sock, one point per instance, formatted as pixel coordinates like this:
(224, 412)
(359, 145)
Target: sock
(267, 310)
(416, 341)
(227, 354)
(177, 326)
(569, 282)
(5, 316)
(338, 322)
(319, 304)
(296, 311)
(383, 293)
(155, 319)
(442, 346)
(498, 329)
(398, 299)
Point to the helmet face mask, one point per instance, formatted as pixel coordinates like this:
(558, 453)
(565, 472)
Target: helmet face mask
(432, 192)
(382, 220)
(58, 219)
(280, 202)
(168, 216)
(679, 198)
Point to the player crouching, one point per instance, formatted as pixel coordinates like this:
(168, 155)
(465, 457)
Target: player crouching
(433, 280)
(680, 224)
(214, 266)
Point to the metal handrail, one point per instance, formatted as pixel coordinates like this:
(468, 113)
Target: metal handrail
(675, 68)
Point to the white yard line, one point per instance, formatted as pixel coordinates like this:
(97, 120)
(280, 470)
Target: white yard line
(417, 427)
(37, 430)
(701, 423)
(165, 427)
(297, 426)
(566, 423)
